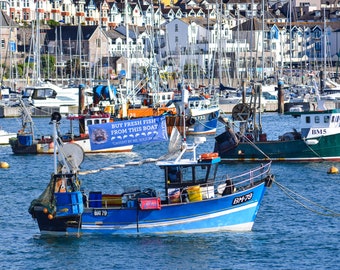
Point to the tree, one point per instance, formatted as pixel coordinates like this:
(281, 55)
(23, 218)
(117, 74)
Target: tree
(48, 66)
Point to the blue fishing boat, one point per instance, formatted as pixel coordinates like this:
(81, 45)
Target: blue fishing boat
(194, 200)
(201, 112)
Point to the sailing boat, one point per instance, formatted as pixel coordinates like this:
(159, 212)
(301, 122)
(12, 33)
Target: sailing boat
(45, 94)
(195, 200)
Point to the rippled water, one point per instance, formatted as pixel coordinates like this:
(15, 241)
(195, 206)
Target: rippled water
(286, 234)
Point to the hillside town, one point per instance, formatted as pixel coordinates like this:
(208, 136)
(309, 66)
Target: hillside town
(229, 40)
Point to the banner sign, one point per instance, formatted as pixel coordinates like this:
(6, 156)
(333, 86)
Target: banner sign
(128, 132)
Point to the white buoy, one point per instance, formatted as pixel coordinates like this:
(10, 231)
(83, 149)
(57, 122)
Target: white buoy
(4, 165)
(333, 170)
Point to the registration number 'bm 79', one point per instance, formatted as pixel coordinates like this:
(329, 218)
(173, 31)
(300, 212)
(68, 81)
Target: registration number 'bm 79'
(243, 198)
(99, 213)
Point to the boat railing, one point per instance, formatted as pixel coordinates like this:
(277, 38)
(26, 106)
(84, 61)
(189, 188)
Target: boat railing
(243, 180)
(197, 192)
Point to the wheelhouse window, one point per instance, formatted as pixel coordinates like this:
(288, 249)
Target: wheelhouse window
(326, 119)
(183, 175)
(317, 119)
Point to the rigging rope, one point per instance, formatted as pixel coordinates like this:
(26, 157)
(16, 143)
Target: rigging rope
(251, 142)
(290, 193)
(131, 163)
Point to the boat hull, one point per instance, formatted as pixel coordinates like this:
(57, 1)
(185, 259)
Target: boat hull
(235, 212)
(56, 225)
(204, 123)
(319, 149)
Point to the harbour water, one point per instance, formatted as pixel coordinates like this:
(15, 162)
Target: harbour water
(288, 234)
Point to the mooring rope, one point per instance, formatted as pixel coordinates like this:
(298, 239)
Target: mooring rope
(290, 193)
(314, 151)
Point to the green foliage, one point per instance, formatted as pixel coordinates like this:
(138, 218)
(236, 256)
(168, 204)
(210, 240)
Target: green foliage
(48, 65)
(53, 23)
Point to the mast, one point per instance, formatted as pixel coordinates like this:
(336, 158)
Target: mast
(37, 59)
(262, 53)
(79, 38)
(128, 70)
(325, 41)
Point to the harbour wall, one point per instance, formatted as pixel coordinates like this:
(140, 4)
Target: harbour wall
(225, 108)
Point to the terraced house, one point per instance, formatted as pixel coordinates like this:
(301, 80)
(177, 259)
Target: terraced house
(240, 38)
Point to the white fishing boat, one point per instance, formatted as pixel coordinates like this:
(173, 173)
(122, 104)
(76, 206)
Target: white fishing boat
(26, 143)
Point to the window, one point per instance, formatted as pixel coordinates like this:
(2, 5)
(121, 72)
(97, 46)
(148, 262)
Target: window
(308, 119)
(317, 119)
(176, 27)
(326, 119)
(98, 42)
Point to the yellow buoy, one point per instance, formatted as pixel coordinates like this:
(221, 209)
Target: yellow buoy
(4, 165)
(333, 170)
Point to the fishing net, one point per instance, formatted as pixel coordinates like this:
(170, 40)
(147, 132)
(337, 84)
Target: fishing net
(46, 199)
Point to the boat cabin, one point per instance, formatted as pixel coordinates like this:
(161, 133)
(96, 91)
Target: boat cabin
(86, 120)
(317, 123)
(190, 181)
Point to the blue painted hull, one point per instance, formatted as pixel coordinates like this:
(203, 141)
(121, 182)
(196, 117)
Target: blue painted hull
(204, 124)
(227, 213)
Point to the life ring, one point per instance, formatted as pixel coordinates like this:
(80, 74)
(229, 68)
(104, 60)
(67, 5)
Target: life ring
(209, 155)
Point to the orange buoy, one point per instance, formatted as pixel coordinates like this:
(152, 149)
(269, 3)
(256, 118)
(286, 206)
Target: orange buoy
(45, 210)
(333, 170)
(4, 165)
(50, 216)
(209, 155)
